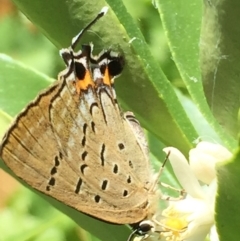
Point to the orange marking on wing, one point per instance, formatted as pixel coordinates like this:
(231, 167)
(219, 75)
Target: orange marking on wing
(84, 83)
(107, 78)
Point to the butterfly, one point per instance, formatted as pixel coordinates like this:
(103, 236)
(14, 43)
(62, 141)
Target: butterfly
(74, 143)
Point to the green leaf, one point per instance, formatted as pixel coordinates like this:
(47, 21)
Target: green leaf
(4, 122)
(182, 20)
(164, 113)
(19, 84)
(220, 61)
(228, 199)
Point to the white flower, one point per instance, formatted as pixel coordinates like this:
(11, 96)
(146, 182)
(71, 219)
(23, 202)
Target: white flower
(192, 218)
(203, 158)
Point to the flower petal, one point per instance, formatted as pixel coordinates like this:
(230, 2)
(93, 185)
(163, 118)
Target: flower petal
(200, 222)
(203, 158)
(199, 235)
(184, 173)
(211, 193)
(213, 234)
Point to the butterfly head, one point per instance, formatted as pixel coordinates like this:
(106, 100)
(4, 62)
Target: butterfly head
(142, 229)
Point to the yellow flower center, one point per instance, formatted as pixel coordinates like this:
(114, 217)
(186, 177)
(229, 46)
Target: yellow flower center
(173, 224)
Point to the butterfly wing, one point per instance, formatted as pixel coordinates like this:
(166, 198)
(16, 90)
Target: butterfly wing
(23, 147)
(81, 151)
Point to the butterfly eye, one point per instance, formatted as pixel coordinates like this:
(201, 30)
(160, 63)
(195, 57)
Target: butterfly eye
(145, 227)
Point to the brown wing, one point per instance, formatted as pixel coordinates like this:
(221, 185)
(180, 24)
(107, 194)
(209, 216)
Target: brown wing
(82, 152)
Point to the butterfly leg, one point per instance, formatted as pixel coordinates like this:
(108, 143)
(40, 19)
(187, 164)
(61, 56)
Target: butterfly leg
(182, 193)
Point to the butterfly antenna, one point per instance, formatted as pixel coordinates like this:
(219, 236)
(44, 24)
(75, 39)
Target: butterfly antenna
(160, 171)
(166, 159)
(76, 39)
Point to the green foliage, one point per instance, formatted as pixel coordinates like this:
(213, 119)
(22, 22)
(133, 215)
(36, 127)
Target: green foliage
(227, 207)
